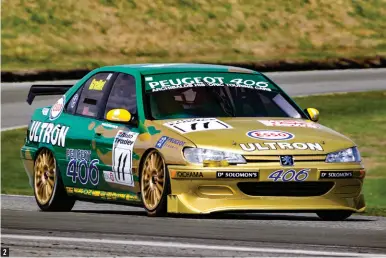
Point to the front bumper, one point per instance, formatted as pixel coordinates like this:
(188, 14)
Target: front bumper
(198, 190)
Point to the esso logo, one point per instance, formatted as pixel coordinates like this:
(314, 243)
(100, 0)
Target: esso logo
(270, 135)
(57, 108)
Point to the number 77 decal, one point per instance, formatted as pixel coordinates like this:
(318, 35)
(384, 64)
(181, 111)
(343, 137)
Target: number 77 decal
(197, 124)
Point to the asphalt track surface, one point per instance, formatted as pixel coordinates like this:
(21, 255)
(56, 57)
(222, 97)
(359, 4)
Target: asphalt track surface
(112, 230)
(16, 112)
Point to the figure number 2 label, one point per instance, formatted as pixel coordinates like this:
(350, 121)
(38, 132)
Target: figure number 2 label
(4, 251)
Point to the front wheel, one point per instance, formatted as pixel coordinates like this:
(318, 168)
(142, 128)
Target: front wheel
(155, 185)
(49, 191)
(334, 215)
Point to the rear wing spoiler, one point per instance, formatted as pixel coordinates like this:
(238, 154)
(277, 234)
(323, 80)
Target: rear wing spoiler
(45, 90)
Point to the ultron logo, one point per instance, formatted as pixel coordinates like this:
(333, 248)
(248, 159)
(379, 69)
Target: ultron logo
(270, 135)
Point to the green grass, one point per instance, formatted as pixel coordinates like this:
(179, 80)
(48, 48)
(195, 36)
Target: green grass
(65, 34)
(361, 116)
(14, 179)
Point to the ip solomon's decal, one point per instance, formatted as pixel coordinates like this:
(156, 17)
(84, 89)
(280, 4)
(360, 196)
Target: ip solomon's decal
(270, 135)
(122, 159)
(57, 108)
(168, 142)
(289, 175)
(197, 124)
(289, 123)
(336, 174)
(281, 146)
(80, 168)
(237, 174)
(48, 133)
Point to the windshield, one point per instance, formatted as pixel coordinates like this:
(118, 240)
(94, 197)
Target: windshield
(177, 96)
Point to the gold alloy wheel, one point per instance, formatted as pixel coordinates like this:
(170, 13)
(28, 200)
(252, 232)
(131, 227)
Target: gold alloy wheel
(45, 173)
(153, 180)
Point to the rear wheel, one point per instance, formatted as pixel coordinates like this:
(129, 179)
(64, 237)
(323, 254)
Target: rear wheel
(49, 191)
(155, 185)
(334, 215)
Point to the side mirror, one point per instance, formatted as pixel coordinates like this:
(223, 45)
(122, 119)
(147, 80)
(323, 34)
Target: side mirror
(119, 115)
(313, 114)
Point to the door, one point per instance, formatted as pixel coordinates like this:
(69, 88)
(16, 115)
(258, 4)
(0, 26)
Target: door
(79, 162)
(115, 142)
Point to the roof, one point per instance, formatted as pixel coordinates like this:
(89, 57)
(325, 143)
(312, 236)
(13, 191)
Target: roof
(154, 68)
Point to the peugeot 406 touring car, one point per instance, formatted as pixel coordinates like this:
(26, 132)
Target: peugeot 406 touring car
(187, 138)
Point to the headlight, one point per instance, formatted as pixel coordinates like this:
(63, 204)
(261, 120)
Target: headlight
(347, 155)
(198, 155)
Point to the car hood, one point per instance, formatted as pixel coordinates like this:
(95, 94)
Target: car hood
(259, 136)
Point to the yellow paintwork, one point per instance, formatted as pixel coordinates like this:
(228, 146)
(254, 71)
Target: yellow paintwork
(195, 188)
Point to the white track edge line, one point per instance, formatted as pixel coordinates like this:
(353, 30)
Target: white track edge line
(190, 246)
(17, 195)
(13, 128)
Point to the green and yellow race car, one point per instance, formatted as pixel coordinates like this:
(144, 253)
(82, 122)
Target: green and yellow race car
(187, 138)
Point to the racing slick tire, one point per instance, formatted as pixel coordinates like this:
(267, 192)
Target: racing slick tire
(155, 184)
(49, 191)
(334, 215)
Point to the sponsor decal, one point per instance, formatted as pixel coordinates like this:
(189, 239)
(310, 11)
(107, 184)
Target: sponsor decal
(97, 84)
(272, 135)
(103, 194)
(48, 133)
(78, 154)
(45, 111)
(289, 175)
(122, 158)
(190, 85)
(280, 146)
(74, 100)
(186, 174)
(57, 108)
(81, 168)
(289, 123)
(168, 142)
(287, 160)
(197, 124)
(205, 82)
(160, 65)
(109, 176)
(336, 174)
(109, 125)
(237, 174)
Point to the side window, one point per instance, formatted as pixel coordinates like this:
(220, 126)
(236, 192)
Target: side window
(92, 93)
(71, 105)
(122, 94)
